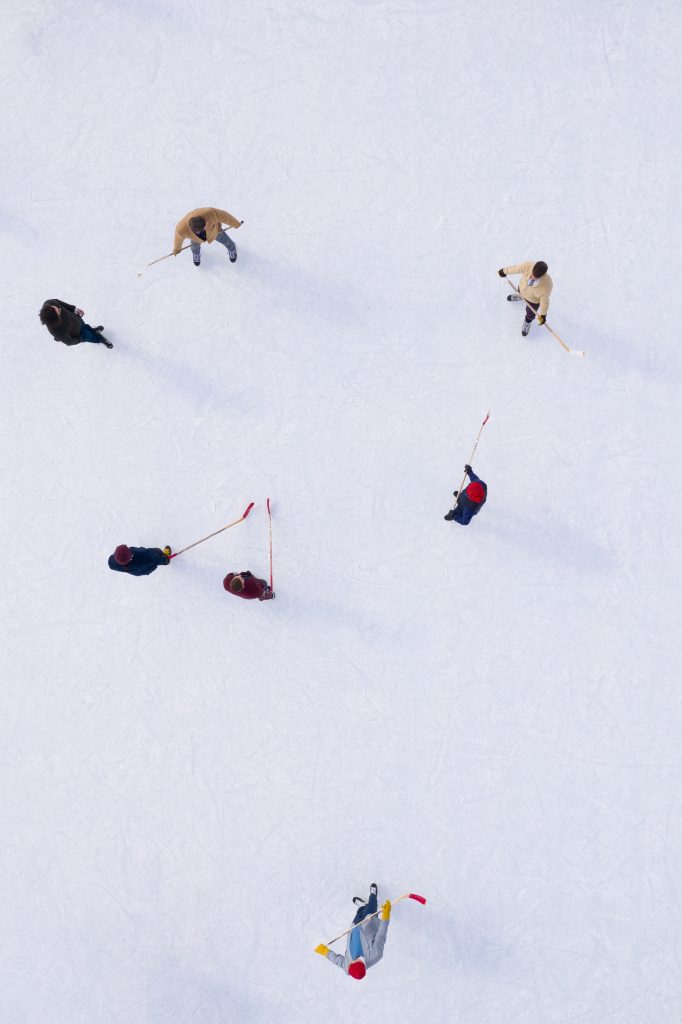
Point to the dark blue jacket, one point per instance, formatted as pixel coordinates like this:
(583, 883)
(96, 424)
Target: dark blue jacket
(143, 562)
(465, 509)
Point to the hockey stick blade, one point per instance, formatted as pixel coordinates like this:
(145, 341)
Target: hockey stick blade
(419, 899)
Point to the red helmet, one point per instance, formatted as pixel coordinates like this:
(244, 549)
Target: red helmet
(123, 555)
(476, 492)
(357, 969)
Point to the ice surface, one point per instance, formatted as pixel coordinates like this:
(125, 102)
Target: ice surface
(195, 787)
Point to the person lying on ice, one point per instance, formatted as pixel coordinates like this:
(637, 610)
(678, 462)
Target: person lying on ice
(246, 585)
(365, 946)
(470, 501)
(138, 561)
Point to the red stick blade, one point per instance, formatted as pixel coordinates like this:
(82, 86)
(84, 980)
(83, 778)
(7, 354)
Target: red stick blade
(419, 899)
(248, 510)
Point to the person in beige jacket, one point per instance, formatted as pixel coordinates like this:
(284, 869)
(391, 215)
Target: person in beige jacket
(205, 225)
(535, 287)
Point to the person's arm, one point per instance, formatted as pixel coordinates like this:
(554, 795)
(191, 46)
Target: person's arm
(379, 942)
(180, 237)
(226, 218)
(516, 268)
(62, 305)
(544, 302)
(334, 958)
(157, 556)
(472, 476)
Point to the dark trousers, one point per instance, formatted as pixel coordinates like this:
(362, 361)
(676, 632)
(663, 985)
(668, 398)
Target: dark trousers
(369, 908)
(531, 310)
(88, 334)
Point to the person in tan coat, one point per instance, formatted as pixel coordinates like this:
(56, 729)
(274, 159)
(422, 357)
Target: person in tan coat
(535, 287)
(205, 225)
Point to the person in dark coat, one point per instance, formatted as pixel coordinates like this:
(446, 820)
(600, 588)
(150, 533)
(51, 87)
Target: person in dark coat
(138, 561)
(470, 501)
(246, 585)
(65, 323)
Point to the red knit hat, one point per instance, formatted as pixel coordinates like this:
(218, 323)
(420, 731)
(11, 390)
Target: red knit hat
(123, 555)
(357, 969)
(475, 492)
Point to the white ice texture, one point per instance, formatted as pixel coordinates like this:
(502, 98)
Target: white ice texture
(194, 787)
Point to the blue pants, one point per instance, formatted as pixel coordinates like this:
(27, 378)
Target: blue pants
(369, 908)
(88, 334)
(221, 237)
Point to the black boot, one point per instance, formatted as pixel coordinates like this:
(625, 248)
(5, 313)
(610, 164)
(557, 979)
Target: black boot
(450, 515)
(359, 902)
(98, 329)
(106, 342)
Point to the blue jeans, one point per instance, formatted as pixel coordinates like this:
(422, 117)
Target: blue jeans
(221, 237)
(369, 908)
(88, 334)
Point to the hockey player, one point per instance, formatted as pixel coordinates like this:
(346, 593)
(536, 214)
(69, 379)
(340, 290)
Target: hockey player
(246, 585)
(470, 501)
(65, 323)
(205, 225)
(365, 946)
(138, 561)
(535, 287)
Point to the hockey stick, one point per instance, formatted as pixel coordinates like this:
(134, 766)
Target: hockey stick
(407, 895)
(571, 351)
(214, 534)
(270, 528)
(471, 457)
(161, 258)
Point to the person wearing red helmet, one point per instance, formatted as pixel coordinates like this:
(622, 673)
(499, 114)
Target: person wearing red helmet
(365, 945)
(470, 501)
(138, 561)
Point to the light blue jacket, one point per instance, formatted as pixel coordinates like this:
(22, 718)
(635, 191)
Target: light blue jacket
(373, 939)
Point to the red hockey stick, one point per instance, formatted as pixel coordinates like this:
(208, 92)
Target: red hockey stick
(215, 532)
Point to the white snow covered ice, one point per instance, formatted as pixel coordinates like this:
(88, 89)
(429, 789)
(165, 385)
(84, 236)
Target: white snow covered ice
(194, 787)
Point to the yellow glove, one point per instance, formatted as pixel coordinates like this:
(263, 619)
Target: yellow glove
(322, 949)
(167, 551)
(386, 911)
(541, 319)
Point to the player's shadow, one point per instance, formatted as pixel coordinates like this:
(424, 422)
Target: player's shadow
(287, 287)
(557, 544)
(175, 993)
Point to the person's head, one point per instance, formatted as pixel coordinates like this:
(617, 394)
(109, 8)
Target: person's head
(197, 224)
(49, 315)
(237, 584)
(357, 969)
(123, 555)
(475, 492)
(540, 269)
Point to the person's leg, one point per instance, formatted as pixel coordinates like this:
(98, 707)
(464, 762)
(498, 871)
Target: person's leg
(531, 310)
(196, 253)
(372, 906)
(88, 333)
(225, 240)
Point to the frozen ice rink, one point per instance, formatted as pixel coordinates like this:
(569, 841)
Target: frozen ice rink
(194, 787)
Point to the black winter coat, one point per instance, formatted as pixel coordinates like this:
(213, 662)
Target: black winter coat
(68, 329)
(144, 562)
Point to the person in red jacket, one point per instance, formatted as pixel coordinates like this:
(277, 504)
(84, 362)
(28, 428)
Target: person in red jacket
(246, 585)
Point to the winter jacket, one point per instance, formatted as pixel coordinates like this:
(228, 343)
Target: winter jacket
(538, 292)
(466, 509)
(253, 587)
(214, 220)
(373, 939)
(144, 562)
(68, 329)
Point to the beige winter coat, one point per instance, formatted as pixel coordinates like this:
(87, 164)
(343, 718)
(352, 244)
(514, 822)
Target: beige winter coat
(214, 220)
(538, 292)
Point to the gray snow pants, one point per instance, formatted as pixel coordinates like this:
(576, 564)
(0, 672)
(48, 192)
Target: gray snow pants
(220, 237)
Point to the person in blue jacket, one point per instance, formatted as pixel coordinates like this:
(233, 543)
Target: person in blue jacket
(470, 501)
(138, 561)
